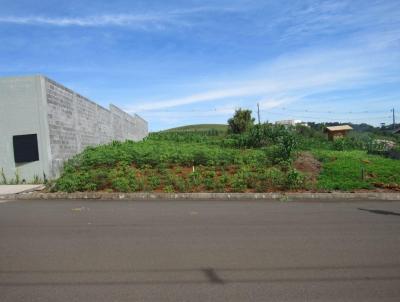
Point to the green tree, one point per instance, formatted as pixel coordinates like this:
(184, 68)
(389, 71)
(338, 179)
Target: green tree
(241, 121)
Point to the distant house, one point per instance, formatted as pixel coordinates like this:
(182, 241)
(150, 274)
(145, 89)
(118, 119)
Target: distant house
(384, 144)
(335, 132)
(291, 123)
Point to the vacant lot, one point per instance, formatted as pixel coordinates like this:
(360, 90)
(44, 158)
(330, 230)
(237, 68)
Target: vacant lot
(264, 158)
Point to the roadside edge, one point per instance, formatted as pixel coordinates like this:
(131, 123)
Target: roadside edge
(279, 196)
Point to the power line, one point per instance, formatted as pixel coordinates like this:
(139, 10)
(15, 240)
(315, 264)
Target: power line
(297, 114)
(331, 118)
(329, 111)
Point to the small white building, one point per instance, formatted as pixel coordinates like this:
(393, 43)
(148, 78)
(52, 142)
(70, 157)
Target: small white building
(291, 123)
(43, 123)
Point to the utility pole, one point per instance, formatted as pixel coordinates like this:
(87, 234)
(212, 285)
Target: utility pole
(258, 113)
(394, 119)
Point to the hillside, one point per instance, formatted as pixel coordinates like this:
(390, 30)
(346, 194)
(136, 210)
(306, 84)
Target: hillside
(199, 127)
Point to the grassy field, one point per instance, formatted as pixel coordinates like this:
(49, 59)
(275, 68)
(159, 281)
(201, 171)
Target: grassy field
(263, 159)
(350, 170)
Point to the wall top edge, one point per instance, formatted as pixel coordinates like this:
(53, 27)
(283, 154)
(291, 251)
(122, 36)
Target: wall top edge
(47, 79)
(89, 100)
(23, 77)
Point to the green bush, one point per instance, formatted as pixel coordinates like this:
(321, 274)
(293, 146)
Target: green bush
(169, 189)
(195, 179)
(295, 180)
(153, 182)
(241, 121)
(81, 181)
(121, 184)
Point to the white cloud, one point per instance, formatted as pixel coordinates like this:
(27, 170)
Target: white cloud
(142, 20)
(328, 18)
(295, 76)
(202, 97)
(91, 21)
(287, 80)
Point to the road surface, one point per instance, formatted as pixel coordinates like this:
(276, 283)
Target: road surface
(199, 251)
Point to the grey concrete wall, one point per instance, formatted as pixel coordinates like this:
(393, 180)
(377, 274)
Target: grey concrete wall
(126, 126)
(61, 118)
(23, 111)
(64, 121)
(76, 122)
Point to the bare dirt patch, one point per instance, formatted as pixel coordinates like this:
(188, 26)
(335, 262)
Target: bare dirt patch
(309, 165)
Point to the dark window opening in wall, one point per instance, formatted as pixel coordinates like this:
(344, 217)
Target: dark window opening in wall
(25, 148)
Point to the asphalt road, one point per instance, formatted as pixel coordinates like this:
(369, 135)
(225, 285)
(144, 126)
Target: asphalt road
(199, 251)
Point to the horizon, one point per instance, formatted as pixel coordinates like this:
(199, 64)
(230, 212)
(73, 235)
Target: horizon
(195, 62)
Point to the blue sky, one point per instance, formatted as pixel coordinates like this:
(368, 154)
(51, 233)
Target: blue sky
(185, 62)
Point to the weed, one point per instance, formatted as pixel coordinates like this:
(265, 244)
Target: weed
(153, 182)
(169, 189)
(3, 177)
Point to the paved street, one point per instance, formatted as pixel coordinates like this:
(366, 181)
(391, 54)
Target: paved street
(199, 251)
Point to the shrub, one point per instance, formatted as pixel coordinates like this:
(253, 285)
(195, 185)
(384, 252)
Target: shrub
(241, 121)
(169, 189)
(200, 158)
(123, 179)
(209, 183)
(100, 178)
(180, 184)
(80, 181)
(153, 182)
(295, 180)
(339, 144)
(239, 182)
(120, 184)
(195, 178)
(275, 178)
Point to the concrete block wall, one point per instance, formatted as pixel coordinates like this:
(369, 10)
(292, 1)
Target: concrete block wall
(76, 122)
(61, 118)
(141, 128)
(65, 124)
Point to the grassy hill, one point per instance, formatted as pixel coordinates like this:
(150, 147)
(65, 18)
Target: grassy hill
(199, 127)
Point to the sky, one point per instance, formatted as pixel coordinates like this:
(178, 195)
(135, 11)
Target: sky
(186, 62)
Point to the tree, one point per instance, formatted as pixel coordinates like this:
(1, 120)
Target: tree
(241, 121)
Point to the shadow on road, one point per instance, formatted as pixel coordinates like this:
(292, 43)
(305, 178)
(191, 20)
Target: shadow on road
(221, 276)
(381, 212)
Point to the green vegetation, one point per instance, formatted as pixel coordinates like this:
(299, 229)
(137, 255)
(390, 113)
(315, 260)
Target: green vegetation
(247, 158)
(200, 128)
(165, 165)
(240, 122)
(350, 170)
(16, 180)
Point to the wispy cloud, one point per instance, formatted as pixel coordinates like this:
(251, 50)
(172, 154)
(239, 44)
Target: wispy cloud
(293, 77)
(287, 80)
(155, 19)
(91, 21)
(139, 21)
(330, 18)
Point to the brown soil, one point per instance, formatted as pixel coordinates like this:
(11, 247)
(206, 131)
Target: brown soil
(309, 165)
(393, 186)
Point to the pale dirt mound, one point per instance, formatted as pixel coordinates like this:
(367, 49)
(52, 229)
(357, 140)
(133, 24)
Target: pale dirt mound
(309, 165)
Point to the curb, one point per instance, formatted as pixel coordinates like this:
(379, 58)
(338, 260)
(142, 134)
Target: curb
(28, 189)
(334, 196)
(39, 188)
